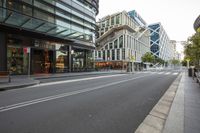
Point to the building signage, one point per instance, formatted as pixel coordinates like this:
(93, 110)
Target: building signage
(44, 45)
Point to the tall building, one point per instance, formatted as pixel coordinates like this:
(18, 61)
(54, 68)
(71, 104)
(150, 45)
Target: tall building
(122, 41)
(47, 36)
(160, 42)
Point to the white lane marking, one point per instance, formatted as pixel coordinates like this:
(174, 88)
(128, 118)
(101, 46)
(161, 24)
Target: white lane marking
(40, 100)
(167, 73)
(74, 80)
(175, 73)
(160, 73)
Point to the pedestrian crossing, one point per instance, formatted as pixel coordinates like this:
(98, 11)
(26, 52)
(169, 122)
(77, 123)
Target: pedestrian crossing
(161, 73)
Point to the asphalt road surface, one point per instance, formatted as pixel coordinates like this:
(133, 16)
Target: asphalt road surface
(98, 104)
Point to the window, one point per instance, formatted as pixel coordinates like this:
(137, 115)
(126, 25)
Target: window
(123, 54)
(104, 55)
(106, 47)
(115, 44)
(99, 54)
(118, 19)
(113, 54)
(103, 24)
(120, 41)
(107, 22)
(43, 6)
(43, 16)
(118, 54)
(27, 1)
(112, 21)
(108, 54)
(110, 45)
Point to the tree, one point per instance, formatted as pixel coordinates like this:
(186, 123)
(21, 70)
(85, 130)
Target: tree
(148, 57)
(192, 50)
(175, 62)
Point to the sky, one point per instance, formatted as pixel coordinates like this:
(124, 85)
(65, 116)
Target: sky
(176, 16)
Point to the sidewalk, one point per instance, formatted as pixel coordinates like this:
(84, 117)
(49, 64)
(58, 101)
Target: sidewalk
(178, 112)
(21, 81)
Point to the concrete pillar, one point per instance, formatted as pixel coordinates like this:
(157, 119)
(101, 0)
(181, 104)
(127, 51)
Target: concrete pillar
(3, 51)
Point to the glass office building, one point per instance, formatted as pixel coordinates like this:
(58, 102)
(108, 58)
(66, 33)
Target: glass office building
(47, 36)
(160, 42)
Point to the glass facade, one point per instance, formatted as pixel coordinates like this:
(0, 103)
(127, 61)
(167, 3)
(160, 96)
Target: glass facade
(53, 29)
(70, 19)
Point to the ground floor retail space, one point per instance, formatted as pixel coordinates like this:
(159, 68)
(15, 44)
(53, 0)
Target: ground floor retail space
(25, 55)
(118, 65)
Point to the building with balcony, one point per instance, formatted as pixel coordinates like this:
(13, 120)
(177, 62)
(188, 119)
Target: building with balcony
(47, 36)
(121, 42)
(160, 42)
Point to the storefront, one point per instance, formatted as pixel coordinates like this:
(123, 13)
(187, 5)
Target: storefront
(35, 56)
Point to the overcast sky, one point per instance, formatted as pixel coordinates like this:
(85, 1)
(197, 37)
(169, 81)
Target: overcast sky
(176, 16)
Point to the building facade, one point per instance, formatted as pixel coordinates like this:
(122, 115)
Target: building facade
(47, 36)
(121, 42)
(197, 24)
(160, 42)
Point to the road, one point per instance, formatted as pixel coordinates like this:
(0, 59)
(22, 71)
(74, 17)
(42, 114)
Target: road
(101, 104)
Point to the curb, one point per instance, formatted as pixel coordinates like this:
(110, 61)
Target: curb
(156, 119)
(9, 87)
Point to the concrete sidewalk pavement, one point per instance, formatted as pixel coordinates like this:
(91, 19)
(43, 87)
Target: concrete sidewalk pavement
(177, 111)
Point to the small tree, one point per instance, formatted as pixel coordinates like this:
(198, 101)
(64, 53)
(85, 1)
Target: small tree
(175, 62)
(148, 57)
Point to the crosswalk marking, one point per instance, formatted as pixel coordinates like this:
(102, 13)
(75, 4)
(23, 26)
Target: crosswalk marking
(161, 73)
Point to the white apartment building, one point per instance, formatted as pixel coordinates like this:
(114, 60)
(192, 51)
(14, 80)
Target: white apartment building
(121, 42)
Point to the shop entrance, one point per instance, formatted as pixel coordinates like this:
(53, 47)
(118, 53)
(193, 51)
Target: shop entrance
(42, 61)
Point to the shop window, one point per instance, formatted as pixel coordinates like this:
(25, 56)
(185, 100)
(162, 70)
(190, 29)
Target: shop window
(62, 61)
(17, 60)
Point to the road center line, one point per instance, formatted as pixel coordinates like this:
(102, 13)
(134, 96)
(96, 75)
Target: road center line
(75, 80)
(40, 100)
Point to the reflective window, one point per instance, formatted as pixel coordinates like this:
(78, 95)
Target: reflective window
(27, 1)
(43, 6)
(43, 16)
